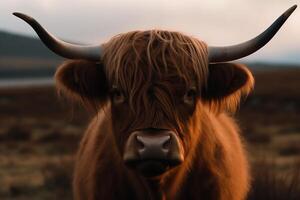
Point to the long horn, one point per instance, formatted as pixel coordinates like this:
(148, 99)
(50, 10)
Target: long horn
(62, 48)
(228, 53)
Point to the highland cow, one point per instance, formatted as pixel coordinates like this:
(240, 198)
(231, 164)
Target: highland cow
(163, 128)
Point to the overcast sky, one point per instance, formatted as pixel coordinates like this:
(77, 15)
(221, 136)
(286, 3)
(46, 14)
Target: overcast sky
(217, 22)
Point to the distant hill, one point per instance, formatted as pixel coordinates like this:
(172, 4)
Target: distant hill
(14, 45)
(23, 56)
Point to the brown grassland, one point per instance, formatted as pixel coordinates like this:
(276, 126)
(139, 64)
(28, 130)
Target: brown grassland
(39, 135)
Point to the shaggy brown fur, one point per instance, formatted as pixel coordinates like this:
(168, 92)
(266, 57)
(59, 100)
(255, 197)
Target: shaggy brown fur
(159, 79)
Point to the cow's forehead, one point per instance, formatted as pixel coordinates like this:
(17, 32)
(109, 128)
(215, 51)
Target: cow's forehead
(142, 57)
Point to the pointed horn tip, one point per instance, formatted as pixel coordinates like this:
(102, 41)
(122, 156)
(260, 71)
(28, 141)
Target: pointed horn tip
(22, 16)
(290, 10)
(294, 6)
(18, 14)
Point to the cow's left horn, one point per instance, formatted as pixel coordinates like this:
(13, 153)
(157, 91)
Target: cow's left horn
(228, 53)
(62, 48)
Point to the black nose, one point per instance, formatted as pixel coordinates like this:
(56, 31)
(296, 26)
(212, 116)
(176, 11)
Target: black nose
(150, 146)
(153, 151)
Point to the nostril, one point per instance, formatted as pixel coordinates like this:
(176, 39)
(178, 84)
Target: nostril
(140, 143)
(166, 144)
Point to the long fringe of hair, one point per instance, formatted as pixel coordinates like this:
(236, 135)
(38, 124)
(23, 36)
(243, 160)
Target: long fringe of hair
(132, 59)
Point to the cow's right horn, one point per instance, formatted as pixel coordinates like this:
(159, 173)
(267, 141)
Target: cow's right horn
(229, 53)
(62, 48)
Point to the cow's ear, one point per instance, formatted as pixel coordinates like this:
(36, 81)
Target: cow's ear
(82, 80)
(226, 84)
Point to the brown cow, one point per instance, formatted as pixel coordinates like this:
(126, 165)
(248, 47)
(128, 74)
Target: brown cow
(162, 128)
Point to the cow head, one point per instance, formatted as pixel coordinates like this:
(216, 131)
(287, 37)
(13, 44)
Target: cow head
(156, 83)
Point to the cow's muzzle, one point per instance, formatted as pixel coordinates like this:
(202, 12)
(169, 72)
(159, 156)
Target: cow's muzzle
(153, 151)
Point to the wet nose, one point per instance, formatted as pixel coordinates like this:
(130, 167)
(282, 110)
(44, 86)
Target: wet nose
(153, 151)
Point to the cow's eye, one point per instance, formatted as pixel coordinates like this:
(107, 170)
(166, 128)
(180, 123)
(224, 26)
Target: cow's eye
(117, 96)
(189, 97)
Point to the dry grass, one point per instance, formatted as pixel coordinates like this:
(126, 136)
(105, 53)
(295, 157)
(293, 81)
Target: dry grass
(269, 184)
(16, 133)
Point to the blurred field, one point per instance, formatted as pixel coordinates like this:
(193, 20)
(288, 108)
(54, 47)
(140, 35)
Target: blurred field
(39, 135)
